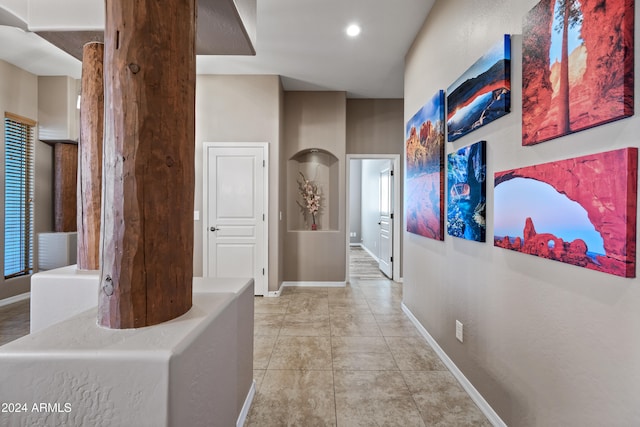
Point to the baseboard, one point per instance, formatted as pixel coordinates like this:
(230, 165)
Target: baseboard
(475, 395)
(315, 284)
(355, 245)
(242, 418)
(15, 298)
(275, 294)
(371, 253)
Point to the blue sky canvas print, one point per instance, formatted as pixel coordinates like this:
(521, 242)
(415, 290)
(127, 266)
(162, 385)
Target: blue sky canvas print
(482, 94)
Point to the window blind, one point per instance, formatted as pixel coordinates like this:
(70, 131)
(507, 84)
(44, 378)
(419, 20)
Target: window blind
(18, 196)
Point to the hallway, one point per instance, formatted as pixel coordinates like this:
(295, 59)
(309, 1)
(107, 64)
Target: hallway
(350, 357)
(337, 357)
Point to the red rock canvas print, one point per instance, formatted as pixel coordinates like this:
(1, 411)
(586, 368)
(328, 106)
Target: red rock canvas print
(424, 176)
(580, 211)
(577, 66)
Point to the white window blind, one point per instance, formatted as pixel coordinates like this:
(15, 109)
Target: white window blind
(18, 196)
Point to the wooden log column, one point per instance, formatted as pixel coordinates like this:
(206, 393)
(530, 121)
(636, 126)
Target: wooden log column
(90, 156)
(149, 172)
(64, 182)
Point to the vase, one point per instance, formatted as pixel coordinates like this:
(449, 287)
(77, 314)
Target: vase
(314, 226)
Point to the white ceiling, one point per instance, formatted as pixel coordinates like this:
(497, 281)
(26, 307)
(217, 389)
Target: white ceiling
(303, 41)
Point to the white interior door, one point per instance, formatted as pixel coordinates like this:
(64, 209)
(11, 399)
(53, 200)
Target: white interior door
(235, 228)
(385, 260)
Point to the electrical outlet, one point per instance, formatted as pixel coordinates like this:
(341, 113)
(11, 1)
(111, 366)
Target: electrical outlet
(459, 332)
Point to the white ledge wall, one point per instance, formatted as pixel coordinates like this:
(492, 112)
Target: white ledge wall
(545, 343)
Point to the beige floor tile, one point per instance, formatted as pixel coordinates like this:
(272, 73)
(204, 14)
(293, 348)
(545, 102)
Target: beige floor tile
(301, 353)
(354, 325)
(374, 398)
(262, 349)
(362, 353)
(305, 290)
(381, 306)
(348, 307)
(308, 304)
(270, 305)
(442, 401)
(294, 398)
(414, 354)
(396, 325)
(305, 325)
(267, 323)
(258, 376)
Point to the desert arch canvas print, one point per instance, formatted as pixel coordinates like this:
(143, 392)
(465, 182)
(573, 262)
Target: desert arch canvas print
(577, 66)
(580, 211)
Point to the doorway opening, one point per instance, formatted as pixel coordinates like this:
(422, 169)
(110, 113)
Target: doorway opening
(373, 217)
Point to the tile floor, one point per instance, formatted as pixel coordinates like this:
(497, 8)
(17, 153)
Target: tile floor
(350, 357)
(337, 357)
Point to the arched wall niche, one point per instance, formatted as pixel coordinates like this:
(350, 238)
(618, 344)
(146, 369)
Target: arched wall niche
(321, 168)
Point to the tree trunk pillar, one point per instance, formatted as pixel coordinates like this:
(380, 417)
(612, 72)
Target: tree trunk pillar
(64, 182)
(149, 155)
(90, 156)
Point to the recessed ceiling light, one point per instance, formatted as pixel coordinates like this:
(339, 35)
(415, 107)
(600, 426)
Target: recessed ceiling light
(353, 30)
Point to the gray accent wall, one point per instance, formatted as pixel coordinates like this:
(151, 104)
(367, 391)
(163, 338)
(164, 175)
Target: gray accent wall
(316, 121)
(240, 109)
(545, 343)
(376, 126)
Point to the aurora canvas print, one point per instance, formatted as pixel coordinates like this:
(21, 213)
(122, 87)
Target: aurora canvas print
(482, 94)
(424, 176)
(466, 192)
(577, 66)
(580, 211)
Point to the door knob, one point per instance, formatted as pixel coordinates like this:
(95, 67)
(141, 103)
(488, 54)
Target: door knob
(380, 223)
(213, 229)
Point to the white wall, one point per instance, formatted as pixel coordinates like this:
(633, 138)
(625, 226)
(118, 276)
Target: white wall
(546, 343)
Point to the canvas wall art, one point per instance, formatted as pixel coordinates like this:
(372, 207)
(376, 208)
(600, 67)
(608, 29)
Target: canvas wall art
(466, 192)
(577, 66)
(580, 211)
(424, 176)
(482, 94)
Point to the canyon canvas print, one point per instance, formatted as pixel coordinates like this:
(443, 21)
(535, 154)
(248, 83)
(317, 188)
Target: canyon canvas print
(577, 66)
(482, 94)
(466, 192)
(580, 211)
(424, 176)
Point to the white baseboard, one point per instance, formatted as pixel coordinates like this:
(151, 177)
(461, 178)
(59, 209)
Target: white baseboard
(370, 253)
(242, 418)
(275, 294)
(315, 284)
(15, 298)
(475, 395)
